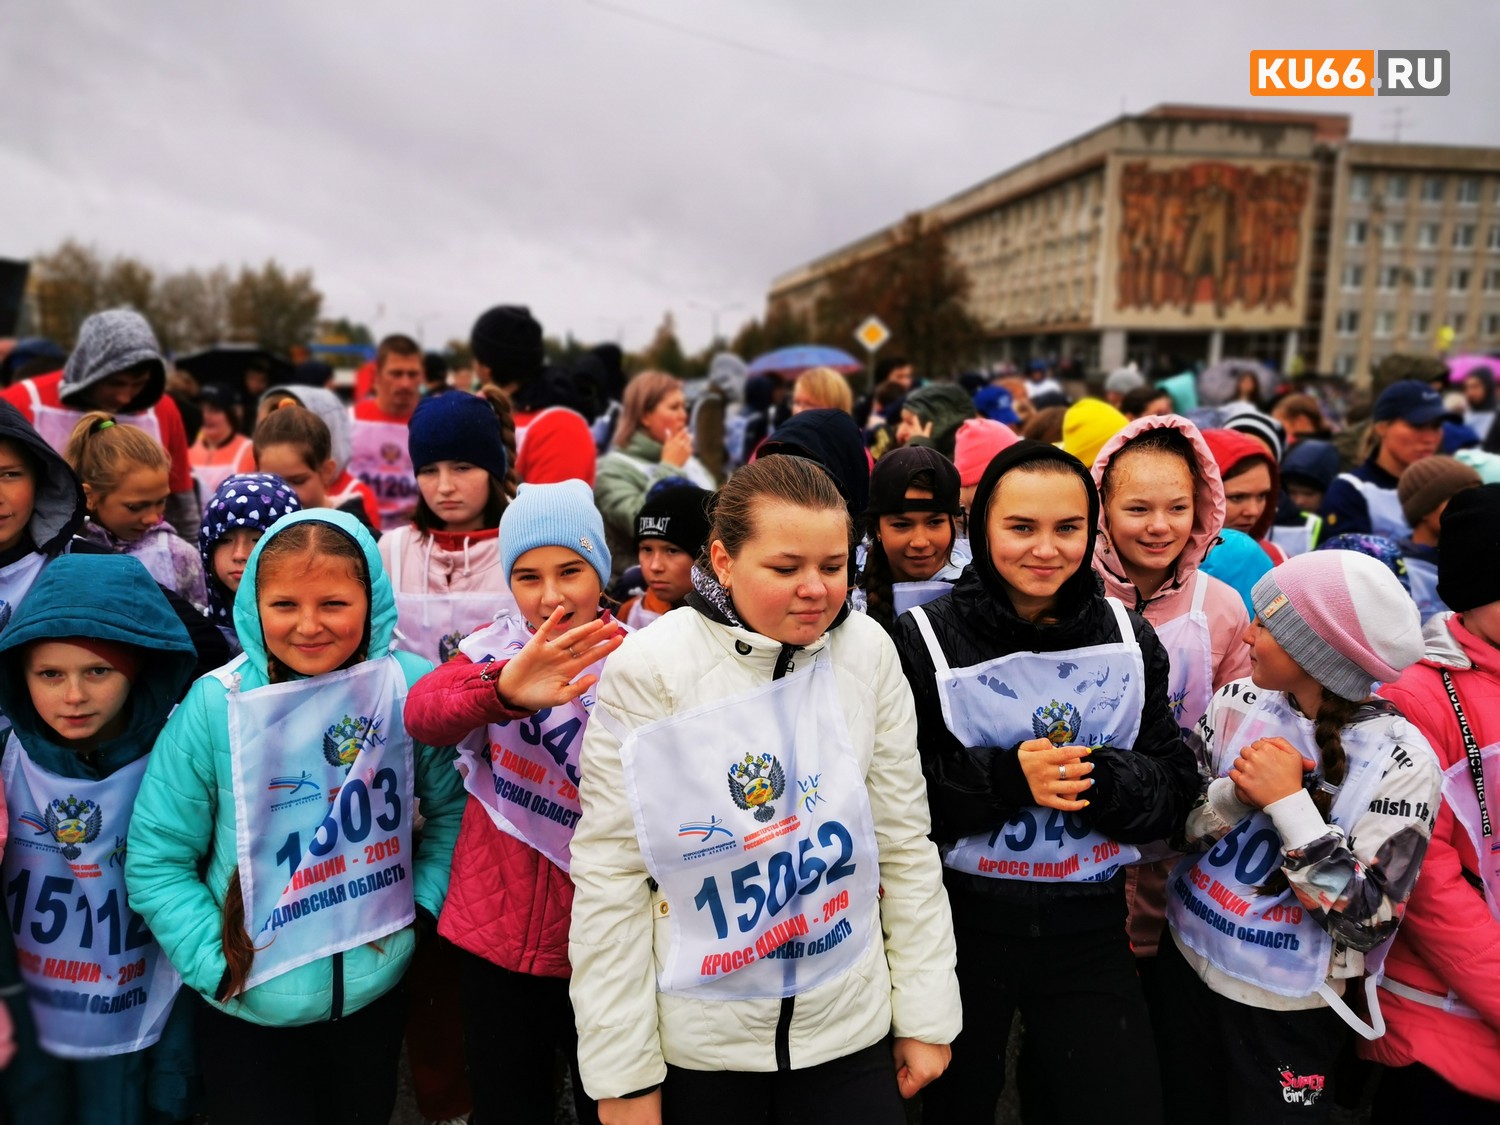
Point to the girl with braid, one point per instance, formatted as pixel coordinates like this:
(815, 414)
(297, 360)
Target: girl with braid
(1319, 804)
(271, 848)
(445, 564)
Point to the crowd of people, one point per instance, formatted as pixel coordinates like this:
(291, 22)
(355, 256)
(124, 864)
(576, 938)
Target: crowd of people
(755, 751)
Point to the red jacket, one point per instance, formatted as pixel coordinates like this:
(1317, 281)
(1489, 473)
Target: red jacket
(168, 417)
(554, 444)
(1449, 941)
(506, 902)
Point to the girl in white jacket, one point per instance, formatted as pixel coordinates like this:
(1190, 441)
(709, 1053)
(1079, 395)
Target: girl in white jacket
(758, 910)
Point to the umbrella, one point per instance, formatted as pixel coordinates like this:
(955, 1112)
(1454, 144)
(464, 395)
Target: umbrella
(795, 360)
(1459, 366)
(226, 364)
(1217, 384)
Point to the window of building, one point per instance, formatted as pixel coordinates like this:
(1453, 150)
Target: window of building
(1468, 190)
(1492, 281)
(1355, 232)
(1458, 280)
(1458, 322)
(1078, 294)
(1492, 242)
(1390, 277)
(1427, 235)
(1426, 279)
(1393, 234)
(1359, 187)
(1348, 322)
(1343, 364)
(1421, 324)
(1463, 236)
(1395, 188)
(1385, 323)
(1492, 324)
(1353, 277)
(1432, 189)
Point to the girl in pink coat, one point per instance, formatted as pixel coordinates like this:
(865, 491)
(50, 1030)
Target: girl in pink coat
(1441, 988)
(1161, 510)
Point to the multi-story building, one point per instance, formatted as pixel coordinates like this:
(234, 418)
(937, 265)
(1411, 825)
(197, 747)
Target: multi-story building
(1198, 233)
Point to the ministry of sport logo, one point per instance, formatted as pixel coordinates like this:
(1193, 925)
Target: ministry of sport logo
(293, 789)
(72, 822)
(343, 741)
(755, 782)
(1057, 722)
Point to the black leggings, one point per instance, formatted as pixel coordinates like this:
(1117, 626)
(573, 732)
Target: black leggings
(338, 1072)
(856, 1088)
(514, 1025)
(1087, 1031)
(1254, 1066)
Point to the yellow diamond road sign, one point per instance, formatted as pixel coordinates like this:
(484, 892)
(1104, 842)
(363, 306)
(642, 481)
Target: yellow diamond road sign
(872, 333)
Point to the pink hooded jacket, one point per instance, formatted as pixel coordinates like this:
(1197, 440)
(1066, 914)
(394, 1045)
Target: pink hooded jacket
(1448, 941)
(1145, 886)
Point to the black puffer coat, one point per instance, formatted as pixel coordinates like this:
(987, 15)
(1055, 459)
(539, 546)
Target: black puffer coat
(1140, 794)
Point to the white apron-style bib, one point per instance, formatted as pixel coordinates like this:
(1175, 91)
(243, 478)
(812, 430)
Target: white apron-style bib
(1213, 900)
(1295, 539)
(1386, 517)
(432, 625)
(1190, 678)
(909, 595)
(753, 819)
(56, 424)
(209, 477)
(97, 982)
(1189, 644)
(380, 459)
(525, 771)
(1423, 577)
(1089, 696)
(323, 803)
(638, 616)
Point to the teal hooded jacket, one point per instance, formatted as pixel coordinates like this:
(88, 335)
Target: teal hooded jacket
(110, 598)
(182, 835)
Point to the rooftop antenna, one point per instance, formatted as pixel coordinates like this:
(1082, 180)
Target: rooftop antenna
(1397, 112)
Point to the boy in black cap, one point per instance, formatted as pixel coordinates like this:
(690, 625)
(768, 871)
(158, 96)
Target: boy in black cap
(670, 531)
(1408, 425)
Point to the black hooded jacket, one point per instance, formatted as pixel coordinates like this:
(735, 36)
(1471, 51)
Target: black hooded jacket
(1141, 793)
(832, 439)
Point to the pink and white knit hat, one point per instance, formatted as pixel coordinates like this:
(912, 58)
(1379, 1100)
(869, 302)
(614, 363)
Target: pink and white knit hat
(1343, 617)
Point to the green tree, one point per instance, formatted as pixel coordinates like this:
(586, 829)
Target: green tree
(272, 308)
(664, 352)
(916, 287)
(69, 285)
(781, 328)
(342, 330)
(191, 309)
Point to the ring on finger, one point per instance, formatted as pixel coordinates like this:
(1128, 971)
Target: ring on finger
(1062, 773)
(572, 653)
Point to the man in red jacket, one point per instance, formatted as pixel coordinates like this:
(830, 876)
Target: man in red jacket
(380, 458)
(115, 367)
(553, 442)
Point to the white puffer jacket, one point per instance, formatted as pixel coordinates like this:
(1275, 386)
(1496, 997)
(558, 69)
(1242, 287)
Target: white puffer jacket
(627, 1032)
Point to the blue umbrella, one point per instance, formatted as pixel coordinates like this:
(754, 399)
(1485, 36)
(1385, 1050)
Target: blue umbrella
(794, 360)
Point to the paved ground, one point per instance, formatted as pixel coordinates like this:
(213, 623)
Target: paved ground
(406, 1107)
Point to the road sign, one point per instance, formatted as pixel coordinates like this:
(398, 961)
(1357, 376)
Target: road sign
(872, 333)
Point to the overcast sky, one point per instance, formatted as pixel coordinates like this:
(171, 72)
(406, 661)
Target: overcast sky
(595, 160)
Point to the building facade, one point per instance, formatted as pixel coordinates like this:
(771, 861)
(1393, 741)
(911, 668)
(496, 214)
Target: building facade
(1195, 233)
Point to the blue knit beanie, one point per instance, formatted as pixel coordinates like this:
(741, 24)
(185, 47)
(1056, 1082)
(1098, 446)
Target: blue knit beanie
(456, 427)
(554, 515)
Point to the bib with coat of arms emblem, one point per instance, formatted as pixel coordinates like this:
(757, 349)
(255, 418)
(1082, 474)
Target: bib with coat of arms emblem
(323, 801)
(96, 981)
(1090, 696)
